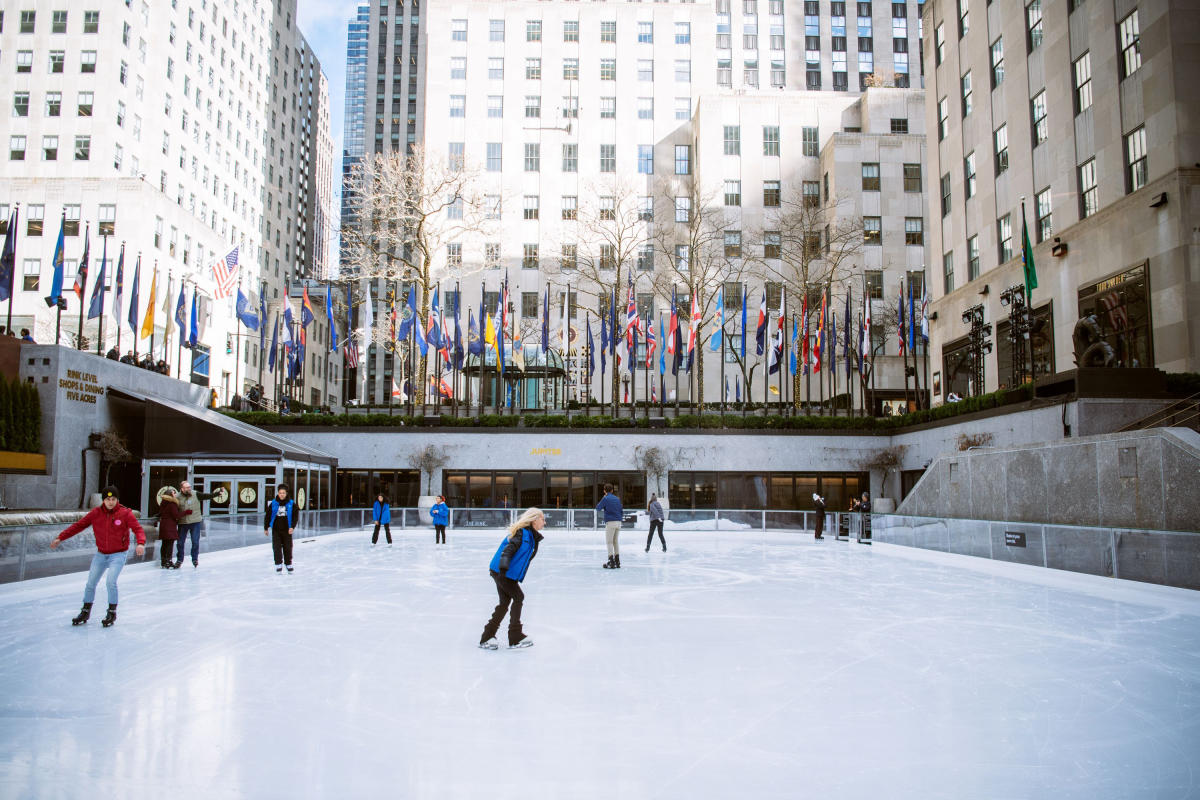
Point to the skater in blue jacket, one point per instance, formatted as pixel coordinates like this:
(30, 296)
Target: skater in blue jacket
(508, 568)
(440, 513)
(381, 512)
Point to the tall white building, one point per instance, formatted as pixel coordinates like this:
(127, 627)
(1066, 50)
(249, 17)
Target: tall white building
(157, 126)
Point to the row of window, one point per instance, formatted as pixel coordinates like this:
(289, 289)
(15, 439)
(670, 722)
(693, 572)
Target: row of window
(34, 216)
(58, 22)
(57, 63)
(570, 30)
(570, 69)
(17, 148)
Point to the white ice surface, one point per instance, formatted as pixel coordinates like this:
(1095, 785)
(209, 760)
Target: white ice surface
(744, 665)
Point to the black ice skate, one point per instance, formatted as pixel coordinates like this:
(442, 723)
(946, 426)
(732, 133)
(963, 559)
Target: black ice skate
(84, 614)
(608, 564)
(110, 617)
(616, 562)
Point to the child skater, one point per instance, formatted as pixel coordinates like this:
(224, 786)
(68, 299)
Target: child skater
(111, 522)
(508, 569)
(440, 514)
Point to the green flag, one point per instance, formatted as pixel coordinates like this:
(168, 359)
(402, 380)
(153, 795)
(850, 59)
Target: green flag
(1027, 260)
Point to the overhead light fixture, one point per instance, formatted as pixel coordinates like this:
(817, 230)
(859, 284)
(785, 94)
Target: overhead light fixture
(985, 290)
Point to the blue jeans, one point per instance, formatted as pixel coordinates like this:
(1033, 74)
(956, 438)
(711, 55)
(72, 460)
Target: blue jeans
(192, 528)
(112, 562)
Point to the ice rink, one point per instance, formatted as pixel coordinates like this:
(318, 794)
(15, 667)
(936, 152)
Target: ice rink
(736, 665)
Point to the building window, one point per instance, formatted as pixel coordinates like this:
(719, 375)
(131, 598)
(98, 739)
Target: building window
(570, 207)
(683, 108)
(1083, 83)
(454, 254)
(533, 30)
(608, 31)
(645, 108)
(608, 69)
(872, 231)
(608, 208)
(914, 232)
(571, 30)
(645, 32)
(772, 244)
(24, 61)
(49, 148)
(899, 125)
(733, 244)
(20, 104)
(31, 273)
(455, 156)
(772, 194)
(16, 148)
(1123, 310)
(1041, 128)
(1033, 24)
(683, 33)
(532, 206)
(683, 209)
(645, 69)
(496, 30)
(495, 156)
(608, 158)
(683, 159)
(491, 255)
(997, 62)
(943, 111)
(808, 141)
(947, 274)
(531, 305)
(58, 22)
(912, 177)
(939, 45)
(1004, 237)
(570, 69)
(969, 174)
(870, 177)
(1000, 138)
(733, 140)
(569, 258)
(91, 22)
(972, 258)
(491, 206)
(83, 148)
(811, 193)
(54, 104)
(71, 218)
(533, 157)
(87, 61)
(725, 72)
(645, 159)
(733, 193)
(646, 209)
(570, 158)
(1135, 159)
(458, 30)
(1131, 45)
(945, 194)
(1088, 191)
(533, 69)
(458, 105)
(35, 215)
(27, 21)
(454, 207)
(495, 69)
(495, 107)
(1041, 202)
(57, 61)
(967, 93)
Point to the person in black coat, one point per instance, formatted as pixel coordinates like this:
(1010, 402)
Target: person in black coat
(819, 506)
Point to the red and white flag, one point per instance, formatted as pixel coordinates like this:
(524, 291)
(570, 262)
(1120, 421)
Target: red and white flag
(225, 274)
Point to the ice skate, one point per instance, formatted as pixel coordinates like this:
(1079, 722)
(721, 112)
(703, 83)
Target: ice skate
(84, 614)
(608, 564)
(521, 644)
(110, 617)
(490, 644)
(289, 569)
(278, 569)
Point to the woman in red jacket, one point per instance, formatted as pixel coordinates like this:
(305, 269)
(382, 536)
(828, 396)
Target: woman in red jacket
(111, 522)
(169, 514)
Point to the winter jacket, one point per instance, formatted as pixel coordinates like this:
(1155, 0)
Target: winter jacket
(655, 510)
(289, 506)
(193, 502)
(169, 516)
(611, 506)
(513, 556)
(440, 514)
(382, 513)
(111, 528)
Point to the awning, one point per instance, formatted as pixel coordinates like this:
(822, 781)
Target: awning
(177, 430)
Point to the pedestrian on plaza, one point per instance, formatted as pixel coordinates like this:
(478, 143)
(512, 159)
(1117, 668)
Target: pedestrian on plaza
(381, 512)
(128, 358)
(193, 504)
(655, 510)
(864, 505)
(614, 514)
(111, 523)
(169, 514)
(113, 354)
(819, 505)
(26, 336)
(440, 514)
(508, 568)
(281, 521)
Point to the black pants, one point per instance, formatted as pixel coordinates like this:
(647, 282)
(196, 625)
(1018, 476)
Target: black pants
(819, 528)
(650, 538)
(281, 544)
(387, 529)
(165, 548)
(439, 534)
(509, 592)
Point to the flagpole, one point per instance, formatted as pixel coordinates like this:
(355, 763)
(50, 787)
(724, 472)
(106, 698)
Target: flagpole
(178, 343)
(724, 344)
(237, 344)
(783, 335)
(167, 319)
(82, 294)
(103, 265)
(150, 309)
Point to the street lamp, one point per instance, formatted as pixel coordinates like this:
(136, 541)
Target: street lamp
(978, 344)
(625, 380)
(1018, 331)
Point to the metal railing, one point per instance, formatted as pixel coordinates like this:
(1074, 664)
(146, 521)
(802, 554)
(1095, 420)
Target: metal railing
(1180, 414)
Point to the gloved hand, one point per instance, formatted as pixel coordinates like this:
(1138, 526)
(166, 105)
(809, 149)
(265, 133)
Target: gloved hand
(504, 562)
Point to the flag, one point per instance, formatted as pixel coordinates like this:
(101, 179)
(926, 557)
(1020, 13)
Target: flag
(745, 297)
(760, 332)
(96, 308)
(846, 337)
(818, 346)
(603, 344)
(368, 316)
(274, 340)
(694, 331)
(775, 360)
(444, 388)
(792, 349)
(718, 324)
(433, 330)
(8, 258)
(132, 317)
(1026, 262)
(412, 320)
(662, 353)
(444, 332)
(546, 321)
(632, 324)
(459, 353)
(180, 308)
(351, 352)
(396, 393)
(864, 335)
(804, 342)
(333, 334)
(831, 346)
(925, 315)
(245, 311)
(474, 345)
(119, 289)
(288, 340)
(57, 282)
(651, 343)
(727, 388)
(737, 388)
(591, 346)
(148, 322)
(900, 318)
(194, 335)
(489, 332)
(306, 310)
(82, 272)
(225, 273)
(262, 319)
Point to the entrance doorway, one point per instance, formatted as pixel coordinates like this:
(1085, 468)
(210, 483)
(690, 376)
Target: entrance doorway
(236, 495)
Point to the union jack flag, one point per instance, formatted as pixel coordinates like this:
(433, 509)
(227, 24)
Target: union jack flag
(632, 323)
(225, 274)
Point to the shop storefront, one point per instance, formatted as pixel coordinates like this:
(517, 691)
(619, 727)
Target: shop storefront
(1121, 306)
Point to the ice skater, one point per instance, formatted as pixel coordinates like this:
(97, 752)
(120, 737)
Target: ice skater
(192, 503)
(281, 521)
(439, 512)
(610, 504)
(381, 512)
(111, 523)
(819, 505)
(169, 514)
(655, 510)
(508, 568)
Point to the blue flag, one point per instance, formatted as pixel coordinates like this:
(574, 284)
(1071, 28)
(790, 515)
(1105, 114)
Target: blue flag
(743, 342)
(434, 331)
(662, 349)
(133, 297)
(274, 345)
(846, 338)
(96, 307)
(714, 341)
(333, 334)
(591, 345)
(245, 312)
(119, 289)
(56, 283)
(912, 319)
(8, 258)
(737, 388)
(792, 352)
(262, 316)
(416, 326)
(603, 344)
(180, 307)
(474, 340)
(458, 342)
(288, 341)
(194, 334)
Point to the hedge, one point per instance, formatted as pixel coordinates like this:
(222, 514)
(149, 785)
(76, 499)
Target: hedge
(20, 417)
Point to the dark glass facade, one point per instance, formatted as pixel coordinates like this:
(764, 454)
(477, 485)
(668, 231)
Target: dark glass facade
(546, 489)
(356, 488)
(777, 491)
(1121, 305)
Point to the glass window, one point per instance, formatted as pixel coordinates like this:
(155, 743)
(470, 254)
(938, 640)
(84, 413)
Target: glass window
(1122, 311)
(645, 159)
(57, 59)
(969, 174)
(495, 157)
(683, 159)
(571, 30)
(733, 244)
(733, 193)
(608, 31)
(1089, 194)
(24, 61)
(997, 62)
(972, 258)
(645, 108)
(533, 30)
(683, 108)
(495, 107)
(496, 30)
(967, 92)
(683, 33)
(570, 158)
(947, 273)
(1033, 23)
(458, 30)
(529, 258)
(733, 140)
(939, 45)
(533, 157)
(1042, 209)
(912, 177)
(1000, 137)
(943, 111)
(772, 194)
(809, 141)
(683, 209)
(645, 32)
(532, 206)
(570, 207)
(1041, 128)
(1131, 45)
(533, 69)
(458, 105)
(811, 192)
(608, 158)
(1083, 82)
(1004, 236)
(872, 231)
(1135, 159)
(914, 233)
(870, 177)
(772, 244)
(608, 69)
(495, 69)
(945, 183)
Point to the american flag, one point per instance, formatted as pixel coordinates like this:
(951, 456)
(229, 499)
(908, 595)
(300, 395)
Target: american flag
(351, 353)
(225, 273)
